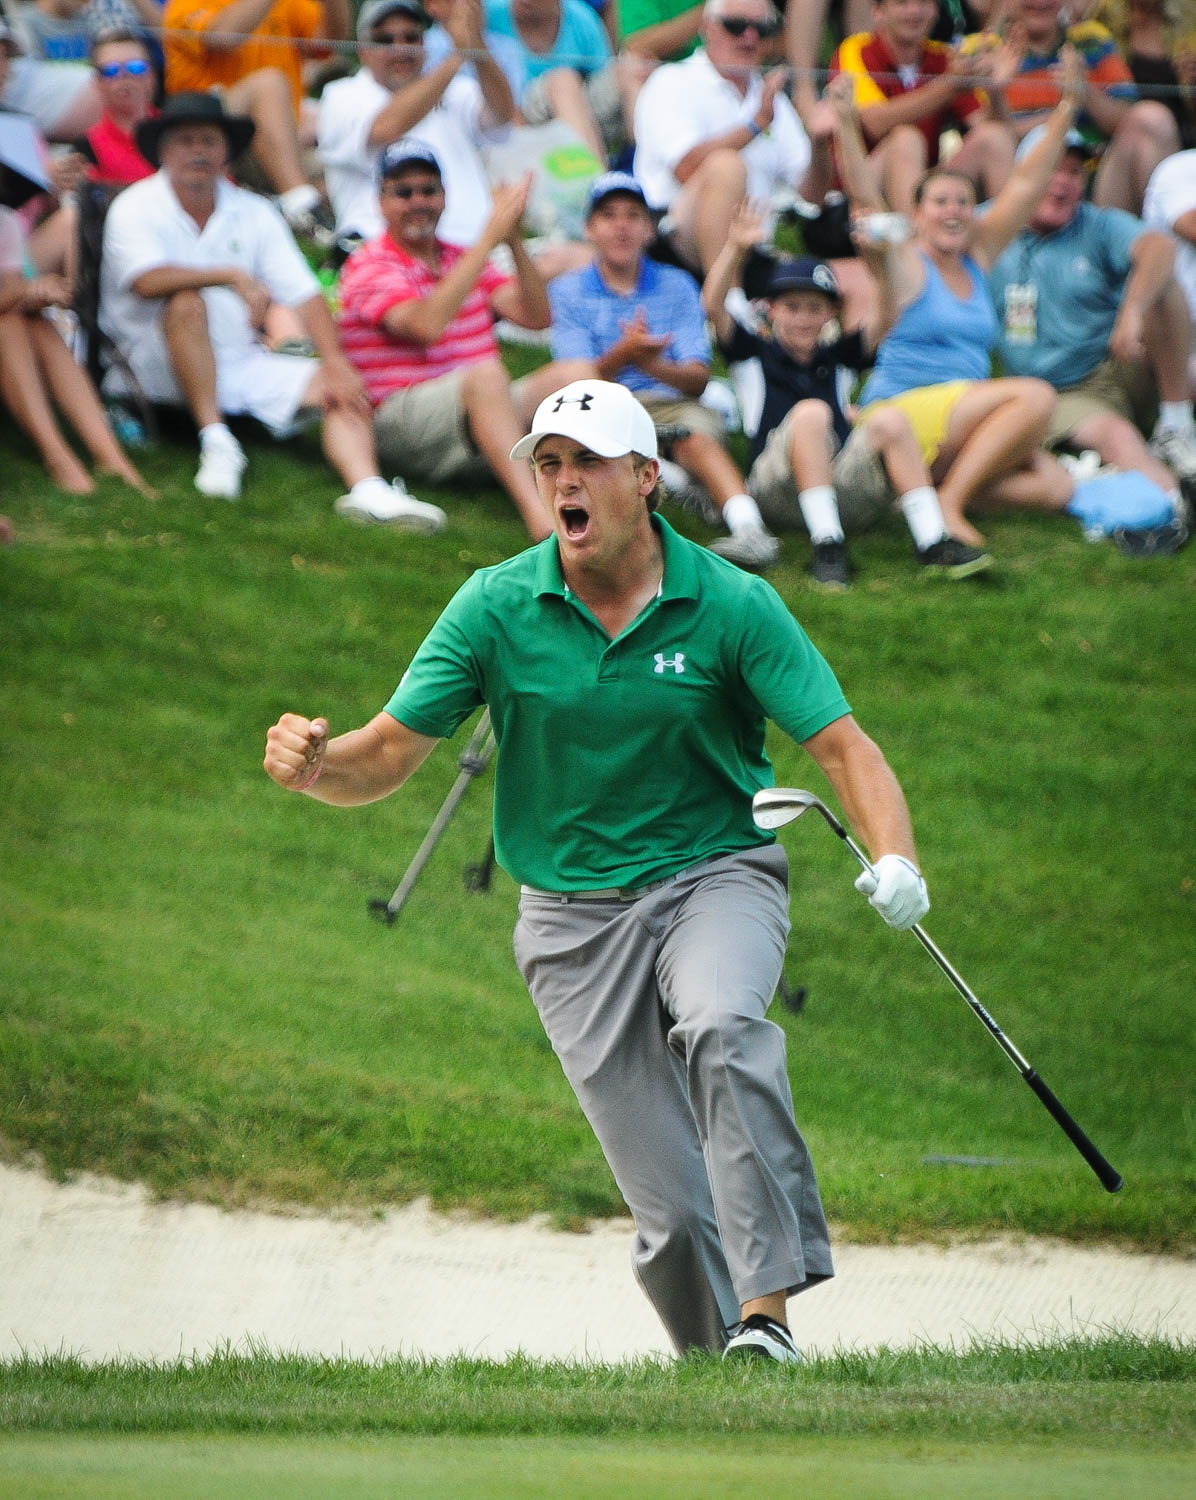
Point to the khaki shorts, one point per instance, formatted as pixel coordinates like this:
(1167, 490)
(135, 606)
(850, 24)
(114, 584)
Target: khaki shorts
(602, 91)
(423, 433)
(863, 490)
(1127, 389)
(668, 411)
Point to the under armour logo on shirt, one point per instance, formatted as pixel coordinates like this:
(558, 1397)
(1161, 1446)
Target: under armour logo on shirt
(676, 662)
(582, 401)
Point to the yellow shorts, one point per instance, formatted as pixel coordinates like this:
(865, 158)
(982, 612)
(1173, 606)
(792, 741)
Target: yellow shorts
(929, 409)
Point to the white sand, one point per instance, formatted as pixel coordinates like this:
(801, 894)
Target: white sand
(97, 1269)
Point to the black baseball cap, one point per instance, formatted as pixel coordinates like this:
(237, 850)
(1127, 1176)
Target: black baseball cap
(802, 274)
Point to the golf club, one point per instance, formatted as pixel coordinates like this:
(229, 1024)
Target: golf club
(774, 807)
(474, 759)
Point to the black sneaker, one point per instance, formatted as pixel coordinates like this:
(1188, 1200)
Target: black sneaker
(759, 1337)
(1152, 541)
(830, 566)
(953, 558)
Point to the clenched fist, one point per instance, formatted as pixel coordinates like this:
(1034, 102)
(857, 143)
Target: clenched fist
(295, 749)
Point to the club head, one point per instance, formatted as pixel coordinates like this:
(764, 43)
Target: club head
(774, 806)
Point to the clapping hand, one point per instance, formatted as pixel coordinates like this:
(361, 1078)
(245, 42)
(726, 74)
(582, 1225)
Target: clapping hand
(748, 226)
(640, 345)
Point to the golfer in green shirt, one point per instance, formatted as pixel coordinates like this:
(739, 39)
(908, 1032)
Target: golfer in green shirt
(629, 675)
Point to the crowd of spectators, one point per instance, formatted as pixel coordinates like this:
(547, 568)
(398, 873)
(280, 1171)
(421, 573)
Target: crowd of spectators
(1001, 195)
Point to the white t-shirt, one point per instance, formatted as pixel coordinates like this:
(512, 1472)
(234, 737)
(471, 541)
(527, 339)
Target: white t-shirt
(1171, 193)
(148, 227)
(452, 129)
(685, 103)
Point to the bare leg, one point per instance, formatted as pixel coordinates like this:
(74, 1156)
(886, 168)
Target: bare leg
(986, 156)
(496, 427)
(892, 438)
(711, 465)
(266, 97)
(1168, 337)
(567, 96)
(185, 326)
(25, 394)
(996, 427)
(1145, 136)
(51, 245)
(703, 210)
(542, 382)
(1119, 442)
(75, 395)
(347, 435)
(900, 160)
(1043, 484)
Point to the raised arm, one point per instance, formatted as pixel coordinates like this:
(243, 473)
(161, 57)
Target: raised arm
(1010, 210)
(355, 768)
(746, 230)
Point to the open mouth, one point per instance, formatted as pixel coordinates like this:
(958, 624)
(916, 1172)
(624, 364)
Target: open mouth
(576, 521)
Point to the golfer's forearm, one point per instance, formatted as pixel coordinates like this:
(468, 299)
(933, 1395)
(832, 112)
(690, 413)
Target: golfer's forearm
(866, 787)
(365, 765)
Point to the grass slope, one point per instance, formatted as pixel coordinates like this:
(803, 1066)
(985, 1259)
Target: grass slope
(194, 995)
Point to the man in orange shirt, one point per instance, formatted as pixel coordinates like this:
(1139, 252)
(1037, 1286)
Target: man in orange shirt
(252, 52)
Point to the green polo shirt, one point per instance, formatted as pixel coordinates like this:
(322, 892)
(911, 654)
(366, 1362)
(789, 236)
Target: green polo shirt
(620, 762)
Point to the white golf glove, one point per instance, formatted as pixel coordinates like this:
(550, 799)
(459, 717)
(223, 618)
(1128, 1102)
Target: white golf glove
(894, 886)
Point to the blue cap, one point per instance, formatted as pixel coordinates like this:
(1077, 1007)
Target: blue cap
(803, 274)
(409, 151)
(610, 183)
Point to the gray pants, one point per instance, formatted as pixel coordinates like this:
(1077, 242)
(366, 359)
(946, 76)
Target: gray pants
(656, 1009)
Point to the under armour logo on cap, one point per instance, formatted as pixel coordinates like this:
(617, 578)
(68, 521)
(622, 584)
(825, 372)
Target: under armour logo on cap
(614, 424)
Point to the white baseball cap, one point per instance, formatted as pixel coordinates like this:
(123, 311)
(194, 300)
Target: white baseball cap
(604, 417)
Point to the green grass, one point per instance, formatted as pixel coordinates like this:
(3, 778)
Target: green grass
(194, 995)
(600, 1469)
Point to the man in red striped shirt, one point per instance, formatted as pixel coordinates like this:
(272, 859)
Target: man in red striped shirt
(417, 320)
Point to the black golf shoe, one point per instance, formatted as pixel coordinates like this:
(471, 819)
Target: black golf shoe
(951, 558)
(759, 1337)
(830, 566)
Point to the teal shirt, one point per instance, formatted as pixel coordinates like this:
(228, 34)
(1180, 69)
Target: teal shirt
(620, 762)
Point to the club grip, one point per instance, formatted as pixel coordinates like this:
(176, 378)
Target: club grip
(1110, 1178)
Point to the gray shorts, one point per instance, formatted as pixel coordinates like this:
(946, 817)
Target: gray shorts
(656, 1008)
(863, 490)
(423, 433)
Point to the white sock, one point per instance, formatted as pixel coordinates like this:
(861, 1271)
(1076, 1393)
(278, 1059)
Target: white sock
(1175, 416)
(298, 200)
(218, 432)
(365, 485)
(820, 512)
(741, 513)
(923, 515)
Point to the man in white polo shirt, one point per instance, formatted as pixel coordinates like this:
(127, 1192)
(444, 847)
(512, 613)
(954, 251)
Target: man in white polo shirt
(715, 128)
(452, 110)
(190, 265)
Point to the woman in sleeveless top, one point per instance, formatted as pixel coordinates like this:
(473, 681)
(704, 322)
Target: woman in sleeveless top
(981, 437)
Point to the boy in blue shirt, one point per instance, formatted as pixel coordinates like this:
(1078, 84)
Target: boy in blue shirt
(642, 325)
(810, 467)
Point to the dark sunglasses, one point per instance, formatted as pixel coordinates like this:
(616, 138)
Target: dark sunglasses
(740, 26)
(415, 190)
(137, 67)
(398, 39)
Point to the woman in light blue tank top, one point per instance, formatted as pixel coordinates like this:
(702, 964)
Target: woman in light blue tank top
(981, 438)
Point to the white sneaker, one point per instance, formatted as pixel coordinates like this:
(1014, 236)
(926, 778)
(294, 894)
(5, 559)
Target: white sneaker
(1176, 449)
(752, 548)
(221, 465)
(390, 505)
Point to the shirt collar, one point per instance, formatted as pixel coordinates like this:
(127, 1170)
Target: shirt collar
(680, 575)
(649, 276)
